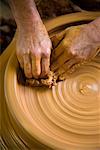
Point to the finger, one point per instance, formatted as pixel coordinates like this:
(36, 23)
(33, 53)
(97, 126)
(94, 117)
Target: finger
(57, 52)
(45, 66)
(69, 72)
(63, 47)
(58, 45)
(90, 53)
(72, 62)
(27, 66)
(97, 52)
(36, 66)
(56, 64)
(21, 61)
(57, 38)
(67, 66)
(59, 71)
(63, 58)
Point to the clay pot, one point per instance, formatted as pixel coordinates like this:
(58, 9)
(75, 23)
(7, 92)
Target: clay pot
(64, 117)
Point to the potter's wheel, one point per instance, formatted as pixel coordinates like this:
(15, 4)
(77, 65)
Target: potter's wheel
(64, 117)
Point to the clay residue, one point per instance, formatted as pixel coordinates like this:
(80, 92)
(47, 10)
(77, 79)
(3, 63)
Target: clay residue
(49, 81)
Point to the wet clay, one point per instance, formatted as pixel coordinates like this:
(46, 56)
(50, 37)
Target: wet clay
(48, 81)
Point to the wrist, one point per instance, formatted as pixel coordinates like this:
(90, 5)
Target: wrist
(93, 33)
(31, 26)
(95, 29)
(28, 22)
(25, 12)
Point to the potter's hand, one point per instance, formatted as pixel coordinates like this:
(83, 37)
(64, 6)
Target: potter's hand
(33, 50)
(75, 45)
(33, 43)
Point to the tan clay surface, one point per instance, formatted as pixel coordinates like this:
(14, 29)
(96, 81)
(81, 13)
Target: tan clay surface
(66, 117)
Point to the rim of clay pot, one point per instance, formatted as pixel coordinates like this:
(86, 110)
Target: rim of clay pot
(53, 26)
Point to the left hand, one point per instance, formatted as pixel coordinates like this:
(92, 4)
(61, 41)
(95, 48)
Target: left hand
(74, 45)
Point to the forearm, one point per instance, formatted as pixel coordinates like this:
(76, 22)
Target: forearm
(24, 11)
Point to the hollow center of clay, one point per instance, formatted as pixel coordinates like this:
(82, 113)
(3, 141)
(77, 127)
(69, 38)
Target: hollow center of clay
(89, 87)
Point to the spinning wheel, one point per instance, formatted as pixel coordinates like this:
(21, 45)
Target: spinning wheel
(64, 117)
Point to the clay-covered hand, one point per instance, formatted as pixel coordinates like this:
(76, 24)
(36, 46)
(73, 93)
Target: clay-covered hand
(33, 50)
(75, 45)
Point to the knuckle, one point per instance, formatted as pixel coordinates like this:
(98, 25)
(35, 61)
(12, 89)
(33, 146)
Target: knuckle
(21, 53)
(36, 53)
(32, 53)
(74, 51)
(46, 53)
